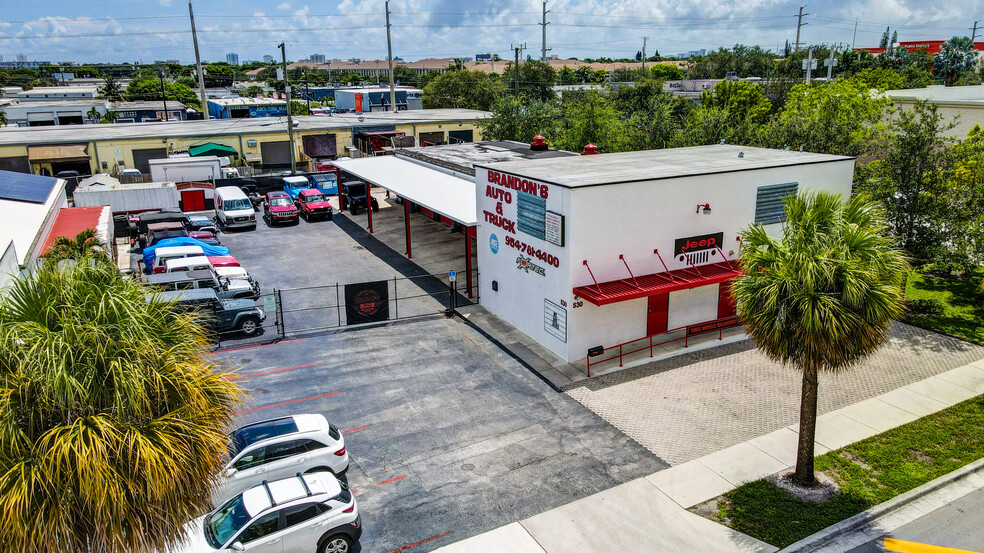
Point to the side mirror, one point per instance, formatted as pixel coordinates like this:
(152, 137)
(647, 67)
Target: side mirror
(237, 546)
(230, 471)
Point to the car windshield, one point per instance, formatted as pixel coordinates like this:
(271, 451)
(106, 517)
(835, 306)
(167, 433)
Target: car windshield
(225, 521)
(237, 204)
(356, 189)
(314, 198)
(244, 437)
(279, 201)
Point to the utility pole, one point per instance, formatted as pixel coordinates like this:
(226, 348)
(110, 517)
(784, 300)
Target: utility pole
(389, 52)
(516, 67)
(855, 37)
(198, 63)
(973, 34)
(163, 95)
(290, 122)
(543, 47)
(644, 54)
(799, 24)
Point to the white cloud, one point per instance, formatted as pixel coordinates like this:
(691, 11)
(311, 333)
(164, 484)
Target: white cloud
(301, 12)
(283, 6)
(166, 3)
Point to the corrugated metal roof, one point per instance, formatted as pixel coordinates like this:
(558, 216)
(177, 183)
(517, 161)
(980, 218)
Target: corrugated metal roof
(72, 220)
(58, 152)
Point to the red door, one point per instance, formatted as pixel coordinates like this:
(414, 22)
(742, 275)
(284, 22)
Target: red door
(193, 200)
(656, 319)
(726, 304)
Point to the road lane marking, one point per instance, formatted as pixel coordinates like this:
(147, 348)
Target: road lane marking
(240, 376)
(421, 542)
(377, 484)
(319, 396)
(902, 546)
(257, 345)
(356, 429)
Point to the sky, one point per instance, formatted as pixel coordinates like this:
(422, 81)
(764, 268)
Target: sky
(148, 30)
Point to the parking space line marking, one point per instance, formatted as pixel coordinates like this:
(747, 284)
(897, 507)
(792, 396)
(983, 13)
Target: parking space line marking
(902, 546)
(421, 542)
(259, 345)
(319, 396)
(238, 376)
(356, 429)
(377, 484)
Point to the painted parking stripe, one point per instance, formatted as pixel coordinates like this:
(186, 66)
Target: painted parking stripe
(377, 484)
(902, 546)
(239, 376)
(319, 396)
(421, 542)
(258, 345)
(356, 429)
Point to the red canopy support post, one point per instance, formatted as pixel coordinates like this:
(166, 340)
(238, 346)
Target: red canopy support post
(369, 203)
(468, 260)
(406, 225)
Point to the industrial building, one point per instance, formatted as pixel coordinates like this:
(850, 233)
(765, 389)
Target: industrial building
(378, 99)
(241, 108)
(262, 143)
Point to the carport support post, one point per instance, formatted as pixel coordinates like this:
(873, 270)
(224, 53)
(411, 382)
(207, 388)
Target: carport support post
(369, 204)
(468, 261)
(406, 225)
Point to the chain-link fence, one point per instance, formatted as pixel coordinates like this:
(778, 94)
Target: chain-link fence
(244, 322)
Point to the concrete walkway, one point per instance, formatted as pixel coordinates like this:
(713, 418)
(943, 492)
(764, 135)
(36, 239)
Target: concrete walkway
(649, 514)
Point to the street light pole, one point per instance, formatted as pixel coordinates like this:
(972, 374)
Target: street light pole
(290, 122)
(163, 95)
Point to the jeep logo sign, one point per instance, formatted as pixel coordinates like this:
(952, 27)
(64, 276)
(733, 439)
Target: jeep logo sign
(697, 243)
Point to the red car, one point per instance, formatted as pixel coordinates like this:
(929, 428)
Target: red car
(278, 208)
(223, 261)
(311, 202)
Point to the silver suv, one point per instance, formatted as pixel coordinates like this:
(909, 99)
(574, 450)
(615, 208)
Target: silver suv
(300, 514)
(277, 448)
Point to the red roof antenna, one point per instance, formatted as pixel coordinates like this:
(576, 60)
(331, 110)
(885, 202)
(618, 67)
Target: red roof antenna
(539, 143)
(590, 150)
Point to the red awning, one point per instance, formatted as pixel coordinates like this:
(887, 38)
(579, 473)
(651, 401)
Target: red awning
(642, 286)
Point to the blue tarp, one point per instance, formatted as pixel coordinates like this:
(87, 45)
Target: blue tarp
(149, 254)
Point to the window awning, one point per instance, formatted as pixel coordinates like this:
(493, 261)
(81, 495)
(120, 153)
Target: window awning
(60, 152)
(654, 284)
(212, 149)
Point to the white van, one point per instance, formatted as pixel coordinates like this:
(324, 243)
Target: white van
(167, 253)
(198, 263)
(233, 209)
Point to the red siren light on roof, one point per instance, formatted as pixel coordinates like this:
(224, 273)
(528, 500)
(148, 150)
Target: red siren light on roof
(539, 143)
(589, 150)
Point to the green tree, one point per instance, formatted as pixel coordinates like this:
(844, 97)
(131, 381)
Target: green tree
(566, 76)
(219, 75)
(955, 55)
(884, 42)
(150, 89)
(520, 119)
(840, 118)
(878, 78)
(84, 245)
(93, 114)
(911, 181)
(254, 91)
(3, 118)
(666, 72)
(536, 80)
(298, 108)
(743, 100)
(964, 194)
(111, 89)
(821, 296)
(114, 420)
(185, 80)
(463, 89)
(111, 116)
(591, 118)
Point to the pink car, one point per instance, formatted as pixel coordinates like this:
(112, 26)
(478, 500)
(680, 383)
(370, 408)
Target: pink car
(223, 261)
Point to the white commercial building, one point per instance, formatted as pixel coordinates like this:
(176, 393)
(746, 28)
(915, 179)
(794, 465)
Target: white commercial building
(28, 206)
(599, 250)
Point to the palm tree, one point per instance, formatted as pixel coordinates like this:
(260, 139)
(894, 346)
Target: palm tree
(83, 245)
(93, 114)
(111, 89)
(822, 296)
(3, 118)
(955, 55)
(112, 422)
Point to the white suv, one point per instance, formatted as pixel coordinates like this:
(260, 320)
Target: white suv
(293, 515)
(277, 448)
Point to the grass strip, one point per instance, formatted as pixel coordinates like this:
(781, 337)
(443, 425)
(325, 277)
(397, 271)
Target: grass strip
(947, 304)
(868, 472)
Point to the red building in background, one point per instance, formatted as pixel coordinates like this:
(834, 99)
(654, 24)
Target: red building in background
(931, 46)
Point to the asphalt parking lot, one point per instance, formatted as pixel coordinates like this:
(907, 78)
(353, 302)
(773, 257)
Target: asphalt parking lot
(449, 436)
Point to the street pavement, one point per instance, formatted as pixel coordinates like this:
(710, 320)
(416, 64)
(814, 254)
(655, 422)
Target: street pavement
(959, 525)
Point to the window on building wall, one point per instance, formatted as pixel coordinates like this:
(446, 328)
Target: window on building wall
(769, 202)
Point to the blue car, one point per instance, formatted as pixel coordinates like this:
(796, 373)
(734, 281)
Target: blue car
(196, 222)
(294, 184)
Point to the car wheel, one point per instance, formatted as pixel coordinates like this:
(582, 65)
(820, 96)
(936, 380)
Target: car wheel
(354, 210)
(375, 205)
(328, 217)
(249, 326)
(339, 543)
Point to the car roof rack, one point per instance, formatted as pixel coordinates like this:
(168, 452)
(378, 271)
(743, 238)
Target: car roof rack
(266, 486)
(304, 483)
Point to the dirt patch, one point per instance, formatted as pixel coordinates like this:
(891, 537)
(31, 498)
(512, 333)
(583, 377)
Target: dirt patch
(854, 459)
(922, 456)
(824, 489)
(711, 509)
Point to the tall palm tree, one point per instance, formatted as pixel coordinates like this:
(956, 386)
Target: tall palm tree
(85, 244)
(821, 296)
(3, 118)
(93, 114)
(112, 422)
(111, 89)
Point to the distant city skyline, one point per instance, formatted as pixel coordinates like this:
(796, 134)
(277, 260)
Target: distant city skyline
(115, 31)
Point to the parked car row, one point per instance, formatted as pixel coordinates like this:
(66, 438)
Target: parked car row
(279, 490)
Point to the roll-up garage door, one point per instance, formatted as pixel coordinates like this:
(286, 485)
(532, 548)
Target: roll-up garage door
(275, 155)
(141, 158)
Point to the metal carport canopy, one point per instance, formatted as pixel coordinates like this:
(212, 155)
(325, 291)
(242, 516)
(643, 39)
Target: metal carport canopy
(445, 194)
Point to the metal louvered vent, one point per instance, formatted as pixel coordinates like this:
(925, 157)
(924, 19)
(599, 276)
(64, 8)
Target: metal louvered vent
(769, 203)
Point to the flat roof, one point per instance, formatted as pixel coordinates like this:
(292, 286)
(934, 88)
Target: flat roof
(218, 127)
(448, 195)
(968, 95)
(59, 90)
(23, 221)
(669, 163)
(247, 102)
(464, 156)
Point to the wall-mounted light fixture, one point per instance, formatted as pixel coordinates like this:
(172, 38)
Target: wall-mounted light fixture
(705, 207)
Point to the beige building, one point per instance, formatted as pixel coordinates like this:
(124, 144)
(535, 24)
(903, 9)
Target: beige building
(965, 103)
(258, 142)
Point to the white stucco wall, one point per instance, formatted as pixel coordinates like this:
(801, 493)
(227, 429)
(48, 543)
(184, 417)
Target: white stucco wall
(631, 219)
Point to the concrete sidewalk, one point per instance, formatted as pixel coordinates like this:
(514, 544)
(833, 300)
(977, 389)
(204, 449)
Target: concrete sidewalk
(649, 514)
